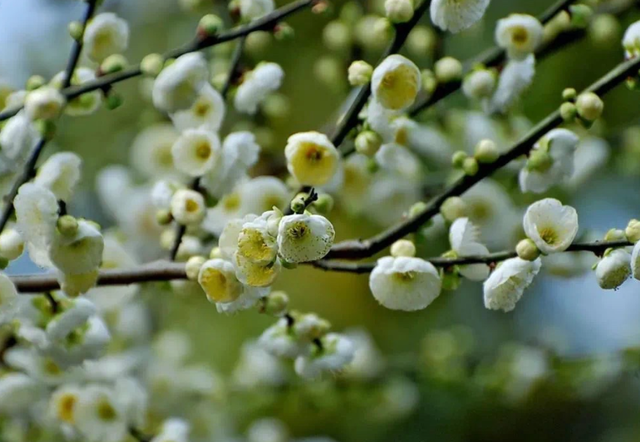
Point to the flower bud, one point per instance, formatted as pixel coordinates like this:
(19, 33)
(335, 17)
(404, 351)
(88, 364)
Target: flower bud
(580, 15)
(75, 30)
(458, 158)
(448, 69)
(67, 225)
(403, 247)
(539, 161)
(417, 209)
(569, 94)
(360, 73)
(34, 82)
(368, 143)
(421, 41)
(568, 112)
(152, 65)
(113, 101)
(470, 166)
(283, 31)
(615, 235)
(44, 103)
(527, 250)
(398, 11)
(632, 232)
(163, 217)
(589, 106)
(486, 151)
(324, 204)
(479, 84)
(298, 204)
(276, 304)
(215, 253)
(113, 63)
(453, 208)
(11, 244)
(604, 29)
(209, 25)
(193, 266)
(429, 81)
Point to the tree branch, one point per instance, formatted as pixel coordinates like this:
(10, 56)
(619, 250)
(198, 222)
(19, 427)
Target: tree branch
(262, 24)
(597, 248)
(361, 249)
(233, 69)
(30, 166)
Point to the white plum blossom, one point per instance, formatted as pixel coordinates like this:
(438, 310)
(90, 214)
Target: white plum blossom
(464, 239)
(63, 403)
(238, 154)
(265, 78)
(36, 213)
(312, 158)
(395, 82)
(281, 340)
(256, 367)
(519, 35)
(178, 86)
(188, 207)
(99, 417)
(335, 354)
(479, 84)
(404, 283)
(505, 286)
(18, 137)
(304, 238)
(550, 225)
(78, 253)
(173, 430)
(614, 269)
(253, 9)
(631, 40)
(85, 104)
(151, 151)
(106, 34)
(207, 112)
(514, 79)
(559, 146)
(196, 152)
(8, 300)
(60, 174)
(44, 103)
(18, 392)
(457, 15)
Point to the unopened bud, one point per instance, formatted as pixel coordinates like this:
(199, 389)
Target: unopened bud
(589, 106)
(210, 25)
(192, 267)
(360, 73)
(470, 166)
(403, 247)
(152, 65)
(527, 250)
(568, 112)
(276, 304)
(486, 152)
(615, 235)
(453, 208)
(398, 11)
(67, 225)
(113, 63)
(632, 232)
(368, 143)
(457, 160)
(448, 69)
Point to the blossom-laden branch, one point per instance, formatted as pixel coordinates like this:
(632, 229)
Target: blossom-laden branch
(496, 56)
(358, 249)
(195, 185)
(30, 166)
(350, 118)
(264, 23)
(171, 271)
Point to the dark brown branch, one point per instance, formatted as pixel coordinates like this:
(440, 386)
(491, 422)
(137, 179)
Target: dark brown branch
(233, 69)
(161, 271)
(369, 247)
(597, 248)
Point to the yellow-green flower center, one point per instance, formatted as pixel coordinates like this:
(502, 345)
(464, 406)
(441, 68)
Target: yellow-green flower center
(548, 235)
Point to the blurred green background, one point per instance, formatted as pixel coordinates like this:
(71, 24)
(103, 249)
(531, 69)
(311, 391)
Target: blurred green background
(460, 357)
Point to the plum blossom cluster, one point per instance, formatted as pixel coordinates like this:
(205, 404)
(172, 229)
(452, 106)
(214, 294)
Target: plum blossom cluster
(86, 361)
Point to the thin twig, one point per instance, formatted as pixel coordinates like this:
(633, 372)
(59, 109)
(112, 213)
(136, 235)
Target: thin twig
(262, 24)
(30, 166)
(350, 118)
(361, 249)
(597, 248)
(233, 69)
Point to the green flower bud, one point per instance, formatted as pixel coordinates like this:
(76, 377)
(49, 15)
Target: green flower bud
(163, 217)
(324, 204)
(589, 106)
(276, 304)
(569, 94)
(284, 32)
(359, 73)
(114, 100)
(210, 25)
(580, 15)
(336, 35)
(417, 209)
(368, 143)
(448, 69)
(527, 250)
(539, 160)
(458, 159)
(75, 30)
(632, 232)
(193, 266)
(215, 253)
(67, 225)
(486, 152)
(470, 166)
(568, 112)
(113, 63)
(615, 235)
(298, 204)
(403, 247)
(34, 82)
(453, 208)
(152, 65)
(398, 11)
